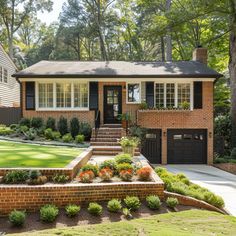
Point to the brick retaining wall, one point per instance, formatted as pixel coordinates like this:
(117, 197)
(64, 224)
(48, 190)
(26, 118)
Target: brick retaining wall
(229, 167)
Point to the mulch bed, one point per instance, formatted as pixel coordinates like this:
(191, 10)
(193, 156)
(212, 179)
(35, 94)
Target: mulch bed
(84, 218)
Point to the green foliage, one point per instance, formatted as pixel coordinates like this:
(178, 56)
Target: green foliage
(48, 213)
(13, 126)
(74, 127)
(16, 177)
(24, 122)
(17, 218)
(51, 123)
(86, 130)
(129, 141)
(180, 184)
(36, 122)
(23, 128)
(137, 131)
(51, 135)
(93, 168)
(114, 205)
(233, 154)
(133, 203)
(79, 138)
(95, 209)
(72, 210)
(123, 158)
(172, 202)
(143, 106)
(62, 125)
(108, 164)
(153, 202)
(124, 166)
(30, 134)
(5, 130)
(34, 174)
(60, 178)
(67, 138)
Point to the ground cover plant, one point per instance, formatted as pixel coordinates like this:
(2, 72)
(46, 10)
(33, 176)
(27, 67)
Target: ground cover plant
(179, 183)
(14, 154)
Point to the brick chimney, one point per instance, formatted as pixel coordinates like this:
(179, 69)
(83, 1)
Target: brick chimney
(200, 54)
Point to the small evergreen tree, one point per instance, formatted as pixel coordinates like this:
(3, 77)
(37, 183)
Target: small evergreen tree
(62, 125)
(74, 127)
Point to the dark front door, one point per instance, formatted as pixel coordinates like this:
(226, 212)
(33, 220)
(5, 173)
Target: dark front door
(112, 104)
(151, 146)
(187, 146)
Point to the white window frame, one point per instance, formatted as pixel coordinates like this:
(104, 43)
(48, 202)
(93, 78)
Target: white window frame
(176, 91)
(127, 91)
(2, 75)
(38, 95)
(55, 108)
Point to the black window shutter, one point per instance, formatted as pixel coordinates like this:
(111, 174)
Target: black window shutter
(93, 95)
(150, 94)
(197, 89)
(30, 95)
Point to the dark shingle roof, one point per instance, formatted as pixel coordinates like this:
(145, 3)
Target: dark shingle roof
(102, 69)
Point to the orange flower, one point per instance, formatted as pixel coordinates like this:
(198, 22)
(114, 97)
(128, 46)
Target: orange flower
(144, 173)
(105, 173)
(86, 176)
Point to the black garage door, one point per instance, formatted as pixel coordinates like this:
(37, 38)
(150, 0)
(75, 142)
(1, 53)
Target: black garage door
(151, 146)
(187, 146)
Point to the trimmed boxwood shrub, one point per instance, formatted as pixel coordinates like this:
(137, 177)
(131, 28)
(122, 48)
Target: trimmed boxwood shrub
(24, 122)
(48, 213)
(172, 202)
(17, 218)
(72, 210)
(51, 123)
(36, 122)
(95, 209)
(114, 205)
(153, 202)
(85, 129)
(74, 127)
(67, 138)
(79, 138)
(132, 203)
(62, 125)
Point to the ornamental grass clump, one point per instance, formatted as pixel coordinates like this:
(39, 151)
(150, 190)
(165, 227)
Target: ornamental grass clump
(72, 210)
(144, 173)
(153, 202)
(172, 202)
(95, 209)
(60, 178)
(133, 203)
(48, 213)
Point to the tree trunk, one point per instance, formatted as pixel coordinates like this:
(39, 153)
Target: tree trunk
(168, 36)
(10, 46)
(163, 58)
(232, 70)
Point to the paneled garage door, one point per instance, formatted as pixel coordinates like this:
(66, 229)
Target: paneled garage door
(151, 147)
(186, 146)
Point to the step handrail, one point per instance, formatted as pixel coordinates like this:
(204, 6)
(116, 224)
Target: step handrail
(97, 122)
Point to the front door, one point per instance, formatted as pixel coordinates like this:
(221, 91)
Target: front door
(112, 104)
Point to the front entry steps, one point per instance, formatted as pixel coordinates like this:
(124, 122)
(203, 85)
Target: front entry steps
(104, 141)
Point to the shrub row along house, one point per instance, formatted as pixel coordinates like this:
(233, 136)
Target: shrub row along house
(179, 98)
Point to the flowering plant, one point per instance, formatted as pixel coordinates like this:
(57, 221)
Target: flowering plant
(144, 173)
(105, 174)
(86, 176)
(126, 174)
(129, 141)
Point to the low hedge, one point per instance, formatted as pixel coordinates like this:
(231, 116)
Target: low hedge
(179, 183)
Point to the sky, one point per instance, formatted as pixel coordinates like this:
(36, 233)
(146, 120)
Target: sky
(49, 17)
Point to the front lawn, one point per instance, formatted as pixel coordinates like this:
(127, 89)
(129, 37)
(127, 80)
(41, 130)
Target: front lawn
(28, 155)
(186, 223)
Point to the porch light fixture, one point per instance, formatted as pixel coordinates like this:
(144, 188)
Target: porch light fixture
(210, 134)
(164, 133)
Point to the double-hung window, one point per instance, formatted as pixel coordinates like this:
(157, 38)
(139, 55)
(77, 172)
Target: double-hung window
(172, 95)
(133, 93)
(63, 95)
(3, 75)
(45, 95)
(80, 95)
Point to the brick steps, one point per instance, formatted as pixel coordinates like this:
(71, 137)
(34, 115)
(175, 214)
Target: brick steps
(110, 150)
(96, 143)
(104, 139)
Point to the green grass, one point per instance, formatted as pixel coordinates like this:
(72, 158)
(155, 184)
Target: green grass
(186, 223)
(29, 155)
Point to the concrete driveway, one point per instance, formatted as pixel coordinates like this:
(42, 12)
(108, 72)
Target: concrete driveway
(217, 181)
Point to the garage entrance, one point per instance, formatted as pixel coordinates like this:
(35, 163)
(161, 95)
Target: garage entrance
(151, 146)
(186, 146)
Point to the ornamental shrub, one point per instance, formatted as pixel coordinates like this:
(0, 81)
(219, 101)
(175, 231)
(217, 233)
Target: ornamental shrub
(16, 177)
(51, 123)
(5, 130)
(62, 126)
(48, 213)
(85, 129)
(74, 127)
(67, 138)
(86, 176)
(91, 167)
(95, 209)
(144, 173)
(114, 205)
(123, 158)
(124, 166)
(36, 122)
(126, 175)
(108, 164)
(132, 203)
(153, 202)
(79, 138)
(172, 202)
(17, 218)
(51, 135)
(60, 178)
(105, 174)
(72, 210)
(24, 122)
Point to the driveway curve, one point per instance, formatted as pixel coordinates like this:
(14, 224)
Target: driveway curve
(218, 181)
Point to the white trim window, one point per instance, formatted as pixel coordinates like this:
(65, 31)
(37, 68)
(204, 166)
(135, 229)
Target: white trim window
(133, 92)
(45, 95)
(173, 95)
(3, 75)
(62, 96)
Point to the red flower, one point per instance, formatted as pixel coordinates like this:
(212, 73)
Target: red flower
(86, 176)
(126, 174)
(144, 173)
(105, 173)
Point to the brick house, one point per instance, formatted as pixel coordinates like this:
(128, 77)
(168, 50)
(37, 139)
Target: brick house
(81, 89)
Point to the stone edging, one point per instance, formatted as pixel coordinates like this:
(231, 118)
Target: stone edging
(190, 201)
